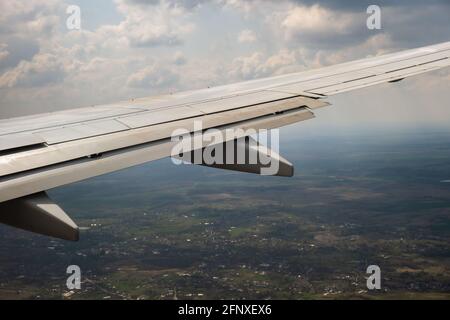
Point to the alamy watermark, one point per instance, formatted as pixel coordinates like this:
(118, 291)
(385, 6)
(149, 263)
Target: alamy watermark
(374, 19)
(74, 280)
(231, 146)
(73, 21)
(374, 280)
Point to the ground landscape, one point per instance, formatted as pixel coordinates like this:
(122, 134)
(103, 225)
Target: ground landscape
(161, 231)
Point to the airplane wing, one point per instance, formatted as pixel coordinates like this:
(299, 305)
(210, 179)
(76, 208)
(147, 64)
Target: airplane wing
(44, 151)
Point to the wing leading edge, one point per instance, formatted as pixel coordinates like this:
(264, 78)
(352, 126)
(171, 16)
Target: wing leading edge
(41, 152)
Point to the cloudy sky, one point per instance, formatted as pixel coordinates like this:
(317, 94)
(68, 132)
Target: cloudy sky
(135, 48)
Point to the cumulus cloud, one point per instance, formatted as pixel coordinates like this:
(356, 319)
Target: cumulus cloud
(316, 19)
(42, 70)
(3, 51)
(360, 5)
(245, 6)
(17, 49)
(189, 4)
(247, 36)
(179, 59)
(153, 77)
(258, 65)
(376, 45)
(321, 26)
(152, 23)
(35, 18)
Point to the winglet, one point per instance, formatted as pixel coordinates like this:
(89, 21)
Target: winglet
(38, 213)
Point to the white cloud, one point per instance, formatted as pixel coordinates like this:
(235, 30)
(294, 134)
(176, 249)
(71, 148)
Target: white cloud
(258, 65)
(375, 45)
(3, 51)
(179, 58)
(153, 77)
(245, 6)
(303, 21)
(152, 25)
(247, 36)
(44, 69)
(32, 18)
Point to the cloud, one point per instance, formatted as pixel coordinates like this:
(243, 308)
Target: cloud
(179, 59)
(17, 49)
(376, 45)
(36, 18)
(152, 23)
(245, 6)
(316, 20)
(359, 5)
(258, 65)
(3, 51)
(153, 77)
(247, 36)
(189, 4)
(322, 27)
(42, 70)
